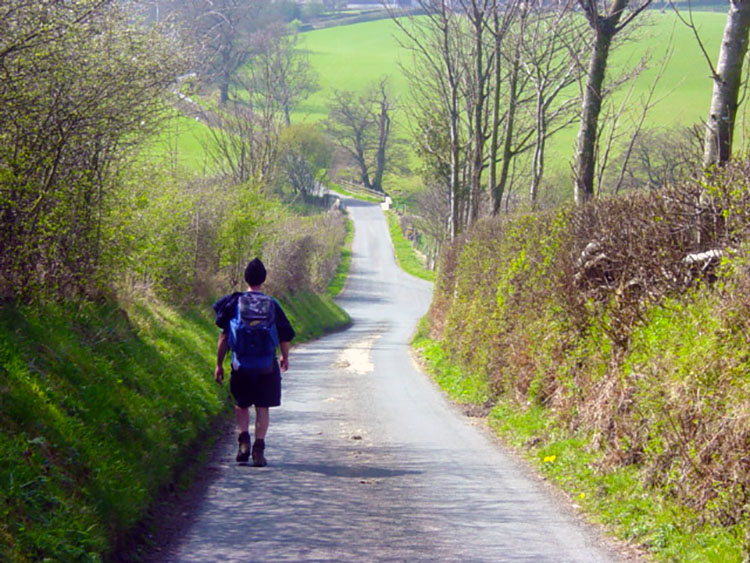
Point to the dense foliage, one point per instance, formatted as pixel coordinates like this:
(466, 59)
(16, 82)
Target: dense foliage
(627, 325)
(82, 81)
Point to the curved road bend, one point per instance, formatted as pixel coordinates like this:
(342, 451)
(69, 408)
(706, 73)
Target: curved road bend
(367, 460)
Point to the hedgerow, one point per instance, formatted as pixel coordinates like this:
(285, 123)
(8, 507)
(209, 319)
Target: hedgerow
(625, 320)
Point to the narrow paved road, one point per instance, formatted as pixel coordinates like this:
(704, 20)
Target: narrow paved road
(368, 462)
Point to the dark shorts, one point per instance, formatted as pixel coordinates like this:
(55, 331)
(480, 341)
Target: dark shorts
(258, 388)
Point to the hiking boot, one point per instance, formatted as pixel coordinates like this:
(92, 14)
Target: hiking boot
(243, 454)
(258, 459)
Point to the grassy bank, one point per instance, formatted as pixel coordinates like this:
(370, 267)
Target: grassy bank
(616, 365)
(616, 496)
(99, 404)
(342, 271)
(406, 256)
(314, 315)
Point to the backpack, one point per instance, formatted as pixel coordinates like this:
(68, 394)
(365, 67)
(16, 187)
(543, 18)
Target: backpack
(253, 337)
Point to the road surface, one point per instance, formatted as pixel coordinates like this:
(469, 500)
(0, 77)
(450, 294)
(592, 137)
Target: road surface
(368, 461)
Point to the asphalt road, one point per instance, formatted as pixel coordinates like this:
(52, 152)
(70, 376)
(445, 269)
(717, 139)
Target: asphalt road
(368, 461)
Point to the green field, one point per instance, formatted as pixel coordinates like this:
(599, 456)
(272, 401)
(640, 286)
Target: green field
(685, 87)
(180, 145)
(352, 57)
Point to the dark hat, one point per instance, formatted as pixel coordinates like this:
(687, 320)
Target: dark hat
(255, 273)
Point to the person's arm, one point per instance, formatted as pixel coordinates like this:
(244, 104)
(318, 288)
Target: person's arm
(284, 355)
(286, 334)
(221, 352)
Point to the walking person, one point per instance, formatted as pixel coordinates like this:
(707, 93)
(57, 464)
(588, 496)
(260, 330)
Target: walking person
(253, 325)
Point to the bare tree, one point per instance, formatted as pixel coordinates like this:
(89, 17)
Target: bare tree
(361, 126)
(727, 78)
(725, 99)
(477, 87)
(473, 80)
(223, 31)
(435, 41)
(551, 54)
(280, 71)
(244, 142)
(516, 95)
(606, 18)
(244, 135)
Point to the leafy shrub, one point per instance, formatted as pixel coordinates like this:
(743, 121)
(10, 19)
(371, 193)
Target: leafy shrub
(64, 134)
(184, 239)
(302, 253)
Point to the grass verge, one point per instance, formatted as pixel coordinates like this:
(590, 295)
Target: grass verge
(356, 195)
(97, 405)
(314, 315)
(616, 497)
(342, 271)
(100, 405)
(406, 256)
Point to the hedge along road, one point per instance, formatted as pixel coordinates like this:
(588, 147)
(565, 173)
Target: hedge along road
(368, 461)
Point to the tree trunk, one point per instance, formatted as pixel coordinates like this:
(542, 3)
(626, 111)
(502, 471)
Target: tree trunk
(508, 131)
(384, 129)
(537, 161)
(364, 173)
(454, 219)
(224, 92)
(727, 81)
(225, 77)
(495, 131)
(590, 109)
(480, 84)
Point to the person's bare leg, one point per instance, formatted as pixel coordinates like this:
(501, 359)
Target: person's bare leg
(262, 418)
(243, 419)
